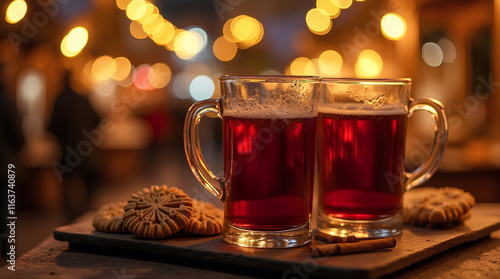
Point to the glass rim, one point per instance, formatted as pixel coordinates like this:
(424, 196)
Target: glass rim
(270, 78)
(368, 81)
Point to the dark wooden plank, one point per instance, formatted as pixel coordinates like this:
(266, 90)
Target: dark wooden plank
(414, 245)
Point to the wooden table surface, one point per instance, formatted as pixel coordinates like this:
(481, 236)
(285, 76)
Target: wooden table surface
(56, 259)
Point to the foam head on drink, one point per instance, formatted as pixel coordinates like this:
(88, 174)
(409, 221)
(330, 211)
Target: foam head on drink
(269, 168)
(361, 161)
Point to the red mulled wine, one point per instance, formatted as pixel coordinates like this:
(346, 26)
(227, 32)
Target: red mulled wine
(269, 171)
(361, 163)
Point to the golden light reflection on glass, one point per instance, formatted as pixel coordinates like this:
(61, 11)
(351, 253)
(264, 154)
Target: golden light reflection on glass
(331, 7)
(330, 62)
(136, 30)
(159, 75)
(122, 66)
(318, 21)
(393, 26)
(302, 66)
(136, 9)
(369, 64)
(103, 68)
(224, 50)
(16, 11)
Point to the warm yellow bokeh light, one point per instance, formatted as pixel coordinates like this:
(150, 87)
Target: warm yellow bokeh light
(318, 21)
(331, 7)
(165, 34)
(187, 44)
(77, 39)
(149, 9)
(16, 11)
(73, 43)
(103, 68)
(330, 62)
(244, 30)
(137, 31)
(159, 75)
(393, 26)
(122, 4)
(344, 4)
(122, 68)
(150, 23)
(226, 31)
(136, 9)
(64, 48)
(224, 50)
(369, 64)
(302, 66)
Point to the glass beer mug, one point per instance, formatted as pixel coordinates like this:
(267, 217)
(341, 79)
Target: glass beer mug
(361, 154)
(269, 143)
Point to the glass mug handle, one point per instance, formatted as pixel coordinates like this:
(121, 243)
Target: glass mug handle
(192, 147)
(429, 166)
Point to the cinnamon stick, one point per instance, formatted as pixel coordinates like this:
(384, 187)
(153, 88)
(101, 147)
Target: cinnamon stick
(351, 248)
(333, 238)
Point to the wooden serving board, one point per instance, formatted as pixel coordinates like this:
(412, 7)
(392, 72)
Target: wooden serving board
(414, 245)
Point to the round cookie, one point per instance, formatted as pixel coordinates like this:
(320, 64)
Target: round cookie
(109, 218)
(157, 212)
(436, 207)
(206, 219)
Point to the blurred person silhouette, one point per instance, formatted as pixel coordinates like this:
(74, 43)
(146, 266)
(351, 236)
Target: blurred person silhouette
(11, 141)
(73, 122)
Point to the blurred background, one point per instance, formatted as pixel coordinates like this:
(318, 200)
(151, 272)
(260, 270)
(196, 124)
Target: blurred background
(94, 92)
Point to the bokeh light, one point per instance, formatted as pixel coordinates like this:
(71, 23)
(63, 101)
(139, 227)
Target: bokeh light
(318, 21)
(369, 64)
(432, 54)
(159, 75)
(73, 43)
(136, 30)
(187, 44)
(224, 50)
(181, 85)
(344, 4)
(141, 77)
(449, 50)
(330, 62)
(149, 9)
(331, 7)
(393, 26)
(245, 31)
(16, 11)
(122, 4)
(163, 33)
(122, 68)
(103, 68)
(302, 66)
(202, 87)
(136, 9)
